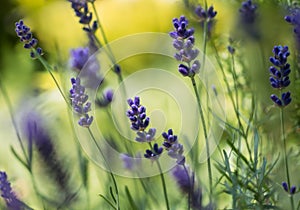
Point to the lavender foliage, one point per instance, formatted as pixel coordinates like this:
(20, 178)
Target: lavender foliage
(80, 104)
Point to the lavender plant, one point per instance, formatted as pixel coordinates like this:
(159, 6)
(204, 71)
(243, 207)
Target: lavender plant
(243, 173)
(184, 43)
(280, 80)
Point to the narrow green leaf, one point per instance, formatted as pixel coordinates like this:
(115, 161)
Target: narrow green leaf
(19, 158)
(108, 201)
(112, 194)
(256, 144)
(130, 199)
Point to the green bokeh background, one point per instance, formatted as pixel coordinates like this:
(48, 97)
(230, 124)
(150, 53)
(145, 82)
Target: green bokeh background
(53, 22)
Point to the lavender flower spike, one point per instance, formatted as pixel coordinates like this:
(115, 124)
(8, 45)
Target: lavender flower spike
(175, 150)
(140, 121)
(279, 72)
(79, 103)
(184, 44)
(207, 16)
(26, 37)
(8, 195)
(85, 16)
(248, 11)
(137, 115)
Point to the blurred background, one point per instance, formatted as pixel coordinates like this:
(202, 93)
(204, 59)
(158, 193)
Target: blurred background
(55, 25)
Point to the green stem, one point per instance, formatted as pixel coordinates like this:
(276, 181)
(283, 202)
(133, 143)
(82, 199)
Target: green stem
(162, 180)
(205, 136)
(191, 187)
(110, 52)
(164, 185)
(285, 154)
(103, 33)
(11, 113)
(107, 165)
(49, 69)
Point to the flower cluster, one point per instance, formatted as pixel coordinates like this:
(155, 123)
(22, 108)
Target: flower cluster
(294, 19)
(206, 16)
(154, 153)
(8, 195)
(291, 190)
(79, 57)
(139, 123)
(280, 75)
(184, 43)
(79, 102)
(107, 97)
(186, 182)
(247, 19)
(248, 12)
(137, 115)
(139, 120)
(175, 150)
(85, 16)
(82, 60)
(26, 37)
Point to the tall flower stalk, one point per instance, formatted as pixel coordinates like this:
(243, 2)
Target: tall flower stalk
(139, 123)
(183, 42)
(82, 107)
(30, 43)
(279, 80)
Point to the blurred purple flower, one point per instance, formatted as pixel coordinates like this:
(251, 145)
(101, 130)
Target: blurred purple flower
(248, 18)
(106, 98)
(79, 57)
(37, 133)
(294, 19)
(11, 200)
(206, 16)
(186, 182)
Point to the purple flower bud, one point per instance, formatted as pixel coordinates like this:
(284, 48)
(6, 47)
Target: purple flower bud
(293, 190)
(184, 70)
(285, 186)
